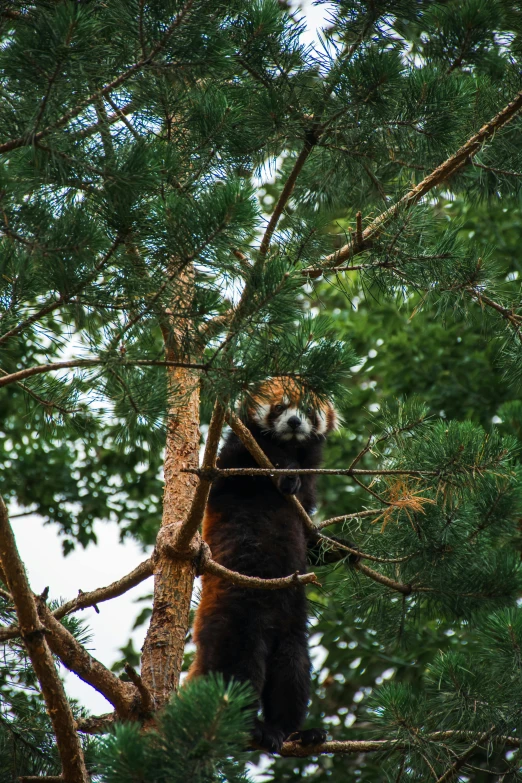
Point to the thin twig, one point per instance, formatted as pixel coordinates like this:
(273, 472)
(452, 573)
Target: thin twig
(122, 117)
(356, 515)
(16, 377)
(147, 702)
(115, 589)
(6, 595)
(459, 763)
(311, 141)
(213, 473)
(33, 635)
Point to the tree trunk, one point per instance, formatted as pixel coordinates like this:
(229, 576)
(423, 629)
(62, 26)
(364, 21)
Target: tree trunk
(173, 579)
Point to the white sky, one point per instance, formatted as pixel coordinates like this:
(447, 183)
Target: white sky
(86, 569)
(41, 549)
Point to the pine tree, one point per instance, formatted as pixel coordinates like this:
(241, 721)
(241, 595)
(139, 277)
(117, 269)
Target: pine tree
(149, 283)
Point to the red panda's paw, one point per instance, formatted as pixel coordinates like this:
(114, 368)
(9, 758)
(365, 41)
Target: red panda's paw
(267, 737)
(308, 736)
(290, 485)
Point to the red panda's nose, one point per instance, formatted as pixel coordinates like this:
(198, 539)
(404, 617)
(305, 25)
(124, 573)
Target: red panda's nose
(294, 422)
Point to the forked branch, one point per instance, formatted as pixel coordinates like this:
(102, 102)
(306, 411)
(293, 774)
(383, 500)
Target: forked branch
(33, 635)
(122, 695)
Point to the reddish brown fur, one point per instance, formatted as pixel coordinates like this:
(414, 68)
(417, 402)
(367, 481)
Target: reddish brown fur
(273, 391)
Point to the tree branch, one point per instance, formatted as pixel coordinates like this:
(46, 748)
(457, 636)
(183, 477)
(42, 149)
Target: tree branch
(207, 565)
(213, 473)
(32, 631)
(356, 515)
(461, 760)
(42, 779)
(92, 598)
(248, 440)
(96, 724)
(115, 589)
(186, 531)
(287, 191)
(122, 695)
(40, 369)
(27, 139)
(62, 299)
(514, 319)
(462, 157)
(370, 746)
(147, 702)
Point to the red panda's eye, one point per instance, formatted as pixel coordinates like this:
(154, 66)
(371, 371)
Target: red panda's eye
(309, 410)
(279, 408)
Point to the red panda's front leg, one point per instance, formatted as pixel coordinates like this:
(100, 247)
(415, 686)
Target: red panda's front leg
(290, 485)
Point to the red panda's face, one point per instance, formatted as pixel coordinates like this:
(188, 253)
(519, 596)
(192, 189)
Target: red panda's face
(279, 410)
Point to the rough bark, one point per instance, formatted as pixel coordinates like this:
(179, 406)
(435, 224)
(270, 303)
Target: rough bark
(173, 578)
(33, 635)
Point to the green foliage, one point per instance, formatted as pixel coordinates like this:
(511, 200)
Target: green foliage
(200, 736)
(137, 144)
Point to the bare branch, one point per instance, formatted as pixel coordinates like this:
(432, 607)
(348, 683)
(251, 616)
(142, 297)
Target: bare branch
(122, 695)
(462, 157)
(40, 369)
(384, 580)
(94, 597)
(96, 724)
(32, 631)
(213, 473)
(287, 191)
(370, 746)
(372, 512)
(207, 565)
(42, 779)
(186, 531)
(147, 702)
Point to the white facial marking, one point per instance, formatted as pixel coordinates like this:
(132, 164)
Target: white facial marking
(322, 423)
(261, 413)
(285, 432)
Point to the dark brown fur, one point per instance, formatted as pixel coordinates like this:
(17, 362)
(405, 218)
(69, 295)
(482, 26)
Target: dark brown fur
(254, 635)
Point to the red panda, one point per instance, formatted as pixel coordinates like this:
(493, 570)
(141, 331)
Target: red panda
(254, 635)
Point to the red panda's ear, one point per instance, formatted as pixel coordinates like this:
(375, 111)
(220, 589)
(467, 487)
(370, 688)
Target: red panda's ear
(335, 420)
